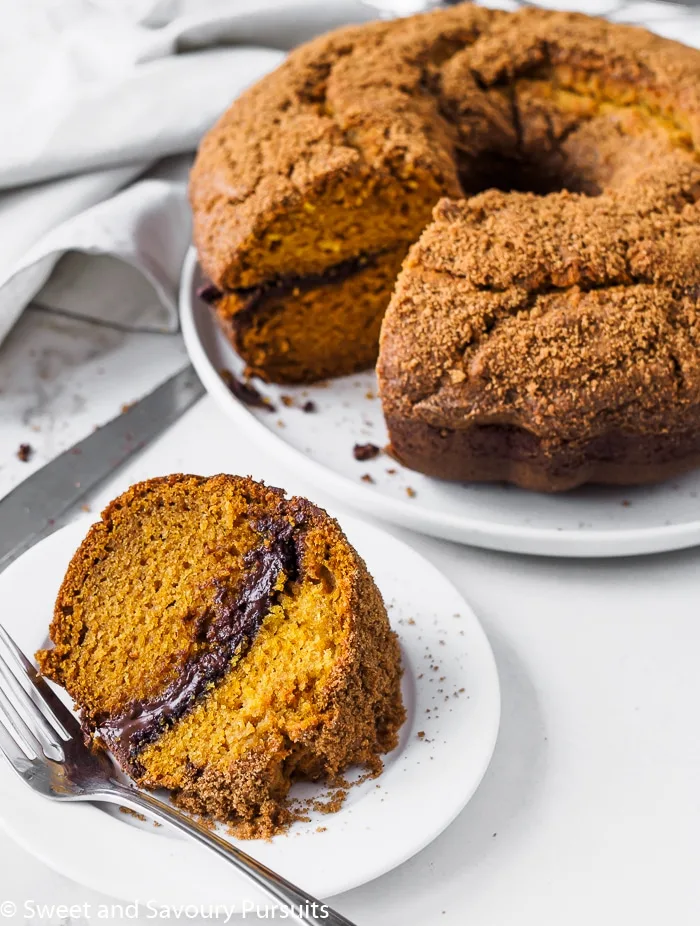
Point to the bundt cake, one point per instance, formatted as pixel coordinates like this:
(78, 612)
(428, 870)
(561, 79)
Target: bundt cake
(222, 640)
(543, 328)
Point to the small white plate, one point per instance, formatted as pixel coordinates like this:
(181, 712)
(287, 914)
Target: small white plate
(592, 521)
(452, 697)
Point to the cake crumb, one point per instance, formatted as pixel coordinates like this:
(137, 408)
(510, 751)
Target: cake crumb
(125, 406)
(309, 407)
(246, 392)
(410, 492)
(367, 478)
(128, 812)
(24, 452)
(364, 452)
(287, 401)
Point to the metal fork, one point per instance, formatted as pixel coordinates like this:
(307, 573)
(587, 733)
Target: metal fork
(43, 743)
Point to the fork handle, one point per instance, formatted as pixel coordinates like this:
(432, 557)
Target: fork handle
(303, 907)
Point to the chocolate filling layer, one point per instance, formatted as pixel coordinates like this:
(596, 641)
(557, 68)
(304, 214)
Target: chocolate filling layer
(286, 284)
(254, 295)
(232, 623)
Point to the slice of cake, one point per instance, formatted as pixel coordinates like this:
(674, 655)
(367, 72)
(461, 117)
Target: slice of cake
(222, 640)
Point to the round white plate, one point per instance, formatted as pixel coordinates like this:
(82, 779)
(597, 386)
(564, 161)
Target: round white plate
(452, 697)
(592, 521)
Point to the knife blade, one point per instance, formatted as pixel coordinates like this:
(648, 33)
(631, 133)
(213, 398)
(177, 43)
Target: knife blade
(30, 511)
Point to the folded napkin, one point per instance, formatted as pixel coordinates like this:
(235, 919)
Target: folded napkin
(102, 103)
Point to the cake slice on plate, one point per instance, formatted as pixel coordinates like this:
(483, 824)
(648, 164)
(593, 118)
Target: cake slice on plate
(222, 641)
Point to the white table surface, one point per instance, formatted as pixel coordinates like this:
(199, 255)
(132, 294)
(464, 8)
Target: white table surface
(590, 811)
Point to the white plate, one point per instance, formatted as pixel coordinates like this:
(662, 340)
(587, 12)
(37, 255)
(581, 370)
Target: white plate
(592, 521)
(427, 780)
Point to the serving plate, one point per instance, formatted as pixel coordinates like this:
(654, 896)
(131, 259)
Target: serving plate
(451, 693)
(318, 445)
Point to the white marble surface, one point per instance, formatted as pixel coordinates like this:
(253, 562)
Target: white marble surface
(590, 810)
(60, 377)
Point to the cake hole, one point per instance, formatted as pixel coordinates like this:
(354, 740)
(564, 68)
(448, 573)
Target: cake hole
(325, 578)
(522, 174)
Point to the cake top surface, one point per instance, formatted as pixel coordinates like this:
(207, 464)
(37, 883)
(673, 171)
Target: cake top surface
(394, 99)
(567, 315)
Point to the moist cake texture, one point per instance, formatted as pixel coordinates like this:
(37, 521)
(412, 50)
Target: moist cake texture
(222, 641)
(543, 329)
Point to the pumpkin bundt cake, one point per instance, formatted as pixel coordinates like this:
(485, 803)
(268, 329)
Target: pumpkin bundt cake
(544, 327)
(222, 640)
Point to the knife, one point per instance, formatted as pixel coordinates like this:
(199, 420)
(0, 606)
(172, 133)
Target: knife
(30, 511)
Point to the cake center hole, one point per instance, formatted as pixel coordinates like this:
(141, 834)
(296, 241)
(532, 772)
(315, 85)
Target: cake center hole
(523, 174)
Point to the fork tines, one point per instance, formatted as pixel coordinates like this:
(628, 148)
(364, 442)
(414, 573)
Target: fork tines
(32, 718)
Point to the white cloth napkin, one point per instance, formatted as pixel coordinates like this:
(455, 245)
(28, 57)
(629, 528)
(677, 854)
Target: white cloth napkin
(94, 94)
(102, 103)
